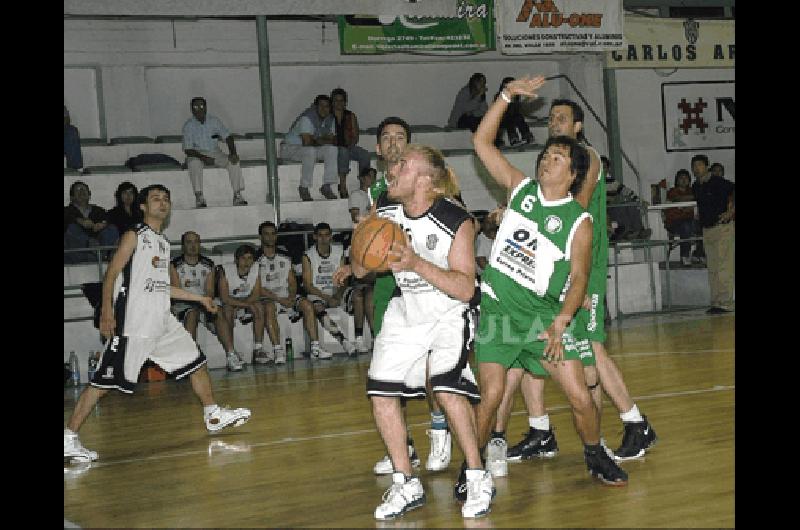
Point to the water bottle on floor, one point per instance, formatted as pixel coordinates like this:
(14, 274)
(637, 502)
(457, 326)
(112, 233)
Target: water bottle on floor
(289, 349)
(76, 371)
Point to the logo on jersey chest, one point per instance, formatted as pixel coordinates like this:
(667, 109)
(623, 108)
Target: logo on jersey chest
(553, 224)
(158, 262)
(431, 241)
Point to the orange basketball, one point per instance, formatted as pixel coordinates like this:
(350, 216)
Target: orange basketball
(372, 240)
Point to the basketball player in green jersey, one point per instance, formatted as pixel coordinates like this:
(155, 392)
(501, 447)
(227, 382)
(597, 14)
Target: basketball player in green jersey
(393, 135)
(536, 281)
(566, 118)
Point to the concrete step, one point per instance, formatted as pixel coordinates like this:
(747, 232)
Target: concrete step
(253, 147)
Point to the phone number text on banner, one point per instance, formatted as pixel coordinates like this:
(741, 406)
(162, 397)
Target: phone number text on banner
(551, 26)
(471, 31)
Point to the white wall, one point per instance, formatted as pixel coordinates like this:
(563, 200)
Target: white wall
(151, 69)
(642, 125)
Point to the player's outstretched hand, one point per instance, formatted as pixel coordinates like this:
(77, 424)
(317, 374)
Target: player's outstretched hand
(526, 86)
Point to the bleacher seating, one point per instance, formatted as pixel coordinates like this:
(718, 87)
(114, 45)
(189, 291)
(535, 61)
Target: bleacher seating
(220, 219)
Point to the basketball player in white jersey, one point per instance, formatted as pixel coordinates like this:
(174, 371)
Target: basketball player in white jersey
(393, 134)
(278, 291)
(195, 273)
(430, 322)
(239, 291)
(136, 321)
(319, 264)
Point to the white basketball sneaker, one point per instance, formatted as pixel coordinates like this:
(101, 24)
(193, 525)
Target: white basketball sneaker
(234, 363)
(223, 417)
(479, 493)
(361, 345)
(441, 447)
(74, 450)
(496, 452)
(404, 494)
(384, 465)
(280, 355)
(318, 352)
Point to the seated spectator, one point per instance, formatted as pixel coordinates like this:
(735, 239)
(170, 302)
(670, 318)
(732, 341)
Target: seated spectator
(347, 139)
(239, 290)
(312, 138)
(201, 133)
(717, 170)
(193, 272)
(319, 264)
(681, 220)
(627, 217)
(513, 122)
(125, 214)
(470, 104)
(86, 225)
(278, 292)
(358, 203)
(484, 242)
(72, 145)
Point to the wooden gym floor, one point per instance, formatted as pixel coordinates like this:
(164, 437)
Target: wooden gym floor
(305, 458)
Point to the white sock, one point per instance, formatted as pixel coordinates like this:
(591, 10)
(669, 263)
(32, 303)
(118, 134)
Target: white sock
(541, 423)
(258, 346)
(229, 353)
(632, 415)
(207, 410)
(277, 347)
(68, 432)
(315, 344)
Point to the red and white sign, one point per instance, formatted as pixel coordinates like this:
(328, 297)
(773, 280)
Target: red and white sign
(552, 26)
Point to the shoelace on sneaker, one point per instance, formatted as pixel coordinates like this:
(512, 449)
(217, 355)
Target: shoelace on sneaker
(475, 488)
(437, 443)
(395, 496)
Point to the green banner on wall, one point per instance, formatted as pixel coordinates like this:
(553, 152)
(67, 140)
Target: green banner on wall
(471, 31)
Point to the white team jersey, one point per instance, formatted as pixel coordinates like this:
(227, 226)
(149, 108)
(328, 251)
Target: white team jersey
(193, 277)
(322, 269)
(432, 236)
(141, 291)
(274, 272)
(240, 287)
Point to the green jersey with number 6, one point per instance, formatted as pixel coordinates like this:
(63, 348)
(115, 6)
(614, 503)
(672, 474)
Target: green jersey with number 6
(528, 271)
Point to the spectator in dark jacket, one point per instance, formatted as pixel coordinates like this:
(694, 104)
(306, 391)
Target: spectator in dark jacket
(125, 214)
(85, 225)
(72, 145)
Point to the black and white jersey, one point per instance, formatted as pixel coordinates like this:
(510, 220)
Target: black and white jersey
(322, 269)
(239, 287)
(193, 277)
(274, 273)
(432, 235)
(141, 291)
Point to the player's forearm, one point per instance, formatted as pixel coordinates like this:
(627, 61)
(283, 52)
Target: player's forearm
(316, 292)
(455, 284)
(574, 297)
(182, 294)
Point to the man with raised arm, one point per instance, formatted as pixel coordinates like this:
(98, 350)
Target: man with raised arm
(536, 280)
